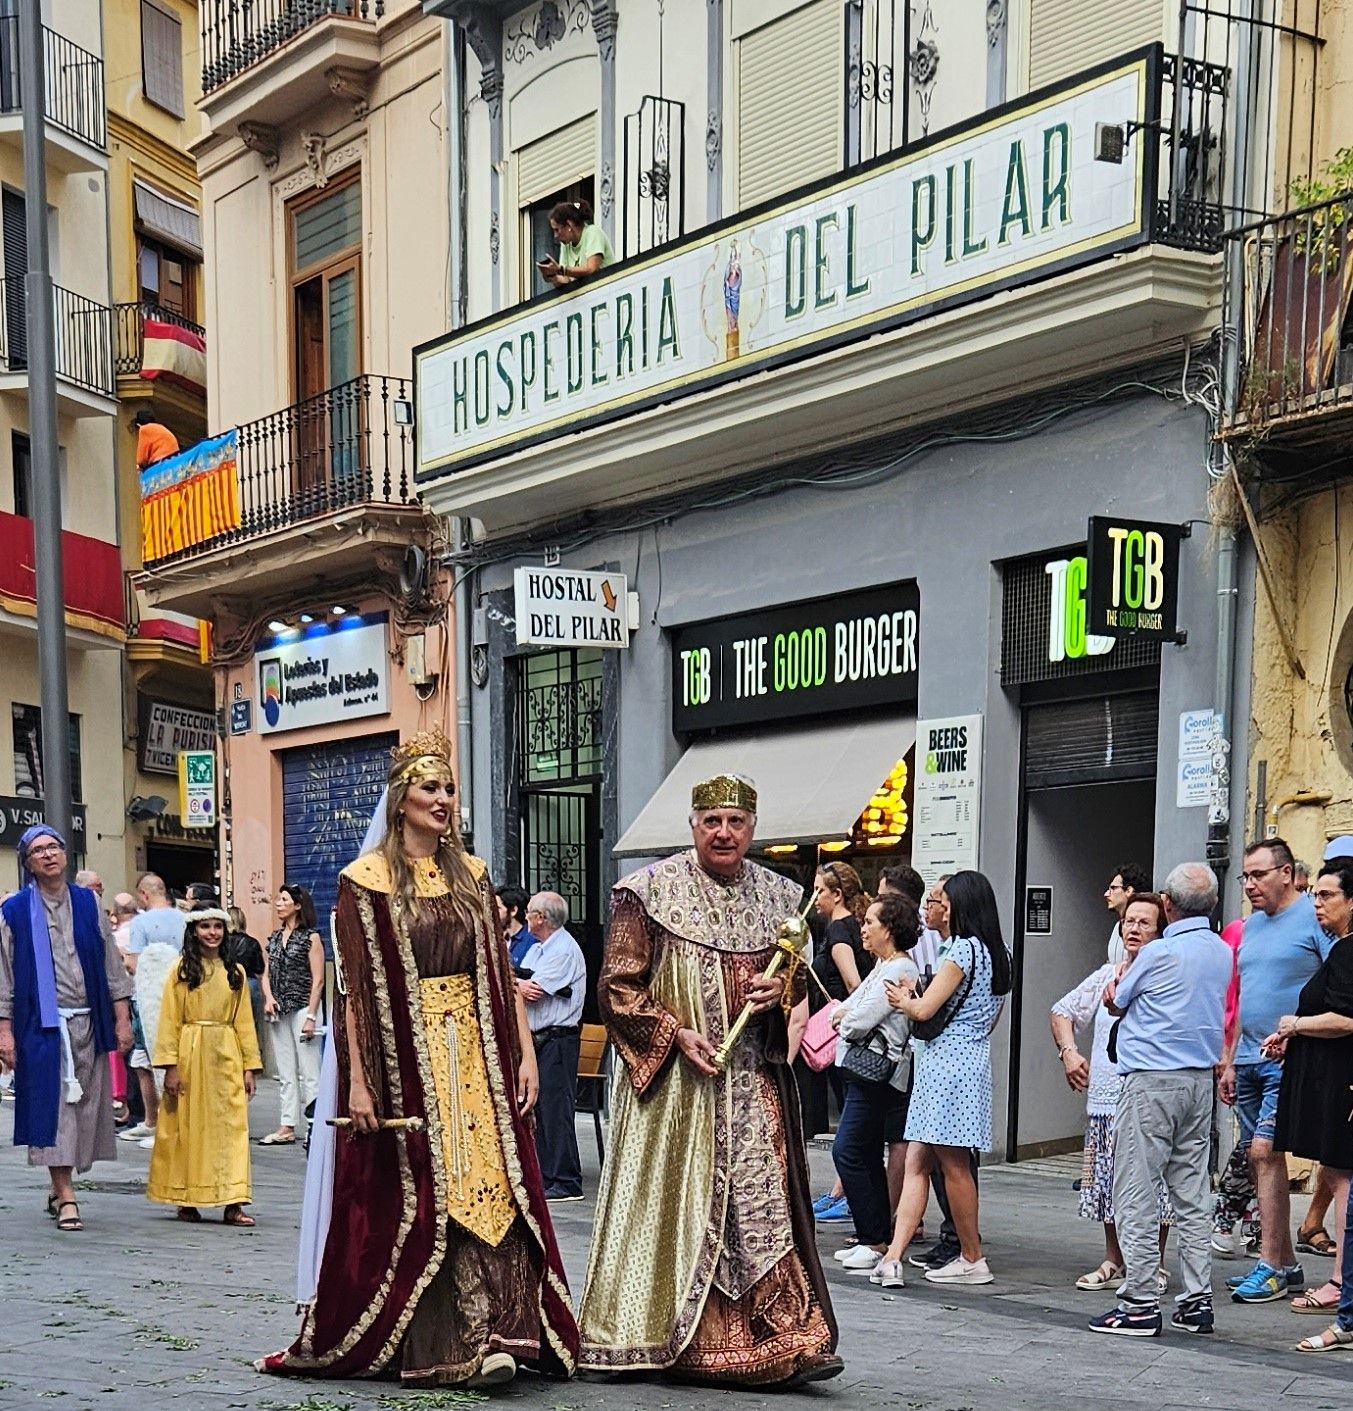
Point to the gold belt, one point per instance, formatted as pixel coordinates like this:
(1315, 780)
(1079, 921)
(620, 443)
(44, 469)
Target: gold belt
(478, 1195)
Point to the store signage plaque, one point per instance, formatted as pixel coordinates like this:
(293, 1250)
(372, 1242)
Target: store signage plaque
(563, 607)
(167, 728)
(1017, 194)
(323, 674)
(1133, 578)
(849, 652)
(948, 795)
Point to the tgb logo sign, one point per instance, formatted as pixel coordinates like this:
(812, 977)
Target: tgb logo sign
(1068, 637)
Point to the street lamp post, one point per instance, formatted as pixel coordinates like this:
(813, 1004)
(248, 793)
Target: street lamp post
(45, 462)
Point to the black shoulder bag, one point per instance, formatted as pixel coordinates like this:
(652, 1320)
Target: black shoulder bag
(932, 1028)
(861, 1060)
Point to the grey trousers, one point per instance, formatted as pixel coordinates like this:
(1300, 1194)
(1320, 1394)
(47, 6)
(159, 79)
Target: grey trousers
(1161, 1134)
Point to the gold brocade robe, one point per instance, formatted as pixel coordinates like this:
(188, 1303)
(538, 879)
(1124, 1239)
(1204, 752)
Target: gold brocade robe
(703, 1257)
(201, 1154)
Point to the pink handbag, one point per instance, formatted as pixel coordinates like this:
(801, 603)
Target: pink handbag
(818, 1045)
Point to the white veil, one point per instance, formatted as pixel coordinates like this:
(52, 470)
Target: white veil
(317, 1206)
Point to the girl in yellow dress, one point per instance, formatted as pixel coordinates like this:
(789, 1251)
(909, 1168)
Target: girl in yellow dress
(208, 1049)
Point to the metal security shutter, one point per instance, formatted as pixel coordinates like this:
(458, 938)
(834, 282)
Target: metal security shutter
(1098, 741)
(789, 99)
(1066, 36)
(329, 793)
(556, 161)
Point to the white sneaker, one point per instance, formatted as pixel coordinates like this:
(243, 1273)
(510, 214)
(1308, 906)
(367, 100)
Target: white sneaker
(861, 1259)
(845, 1250)
(961, 1271)
(147, 1143)
(888, 1274)
(134, 1134)
(1224, 1243)
(495, 1370)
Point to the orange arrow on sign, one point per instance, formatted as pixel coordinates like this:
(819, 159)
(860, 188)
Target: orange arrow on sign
(608, 594)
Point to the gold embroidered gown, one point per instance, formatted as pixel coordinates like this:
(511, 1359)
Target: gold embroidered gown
(703, 1257)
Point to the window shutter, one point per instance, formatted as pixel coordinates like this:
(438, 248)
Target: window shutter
(789, 96)
(1066, 36)
(1096, 741)
(162, 58)
(556, 161)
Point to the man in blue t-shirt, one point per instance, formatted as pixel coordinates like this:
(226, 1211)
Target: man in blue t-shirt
(1281, 947)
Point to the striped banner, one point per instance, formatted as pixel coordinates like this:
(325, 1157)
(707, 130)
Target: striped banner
(189, 498)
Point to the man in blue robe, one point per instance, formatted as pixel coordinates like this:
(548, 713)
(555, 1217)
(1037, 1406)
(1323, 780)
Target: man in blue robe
(64, 1006)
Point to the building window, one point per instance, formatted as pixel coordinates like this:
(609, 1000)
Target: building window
(27, 725)
(538, 240)
(162, 57)
(559, 167)
(165, 277)
(22, 455)
(326, 282)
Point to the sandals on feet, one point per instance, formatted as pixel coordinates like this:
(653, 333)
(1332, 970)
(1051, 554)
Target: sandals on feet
(1107, 1275)
(52, 1207)
(68, 1223)
(272, 1139)
(1333, 1338)
(1311, 1302)
(189, 1214)
(1316, 1241)
(236, 1215)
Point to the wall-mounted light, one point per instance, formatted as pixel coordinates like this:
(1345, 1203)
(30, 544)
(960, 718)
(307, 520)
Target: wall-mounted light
(307, 617)
(338, 610)
(780, 849)
(403, 411)
(276, 625)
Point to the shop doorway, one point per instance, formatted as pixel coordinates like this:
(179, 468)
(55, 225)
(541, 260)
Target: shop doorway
(559, 767)
(180, 865)
(1089, 787)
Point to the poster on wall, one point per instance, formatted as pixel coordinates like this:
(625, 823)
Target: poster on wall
(166, 728)
(323, 674)
(948, 795)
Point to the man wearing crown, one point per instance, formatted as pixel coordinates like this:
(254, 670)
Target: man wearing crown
(703, 1260)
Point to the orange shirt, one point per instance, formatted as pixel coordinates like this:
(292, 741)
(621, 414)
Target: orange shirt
(153, 443)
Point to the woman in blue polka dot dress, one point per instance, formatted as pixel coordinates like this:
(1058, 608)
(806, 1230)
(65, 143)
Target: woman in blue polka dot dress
(950, 1109)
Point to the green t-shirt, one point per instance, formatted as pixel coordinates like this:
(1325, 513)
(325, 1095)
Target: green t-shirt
(593, 241)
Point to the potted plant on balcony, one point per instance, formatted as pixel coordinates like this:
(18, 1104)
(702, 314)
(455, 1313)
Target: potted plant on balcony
(1298, 284)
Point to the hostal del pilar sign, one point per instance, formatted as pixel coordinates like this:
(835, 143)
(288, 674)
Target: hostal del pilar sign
(1020, 194)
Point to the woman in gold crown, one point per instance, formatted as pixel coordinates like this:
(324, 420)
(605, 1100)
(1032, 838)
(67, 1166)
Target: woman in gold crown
(441, 1266)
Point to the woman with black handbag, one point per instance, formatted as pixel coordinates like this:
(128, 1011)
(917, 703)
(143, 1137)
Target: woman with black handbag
(950, 1110)
(871, 1058)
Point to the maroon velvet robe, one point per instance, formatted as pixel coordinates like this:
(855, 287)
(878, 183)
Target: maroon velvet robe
(389, 1242)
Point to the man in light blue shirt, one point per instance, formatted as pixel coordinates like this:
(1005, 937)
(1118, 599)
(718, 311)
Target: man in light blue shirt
(1171, 1000)
(1281, 947)
(553, 987)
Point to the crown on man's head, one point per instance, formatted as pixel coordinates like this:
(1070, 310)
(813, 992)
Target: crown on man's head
(424, 755)
(725, 791)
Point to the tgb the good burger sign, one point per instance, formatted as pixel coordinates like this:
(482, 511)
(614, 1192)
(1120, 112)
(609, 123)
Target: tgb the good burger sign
(1023, 193)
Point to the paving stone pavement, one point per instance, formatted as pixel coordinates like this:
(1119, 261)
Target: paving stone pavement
(139, 1313)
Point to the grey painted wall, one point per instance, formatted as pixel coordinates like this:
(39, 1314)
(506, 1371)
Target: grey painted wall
(947, 519)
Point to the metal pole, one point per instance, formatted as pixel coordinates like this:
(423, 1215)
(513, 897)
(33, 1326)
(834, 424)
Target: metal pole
(46, 475)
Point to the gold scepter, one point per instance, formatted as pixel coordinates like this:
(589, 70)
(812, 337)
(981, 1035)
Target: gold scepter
(790, 942)
(385, 1124)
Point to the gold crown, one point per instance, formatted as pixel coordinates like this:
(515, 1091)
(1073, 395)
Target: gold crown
(725, 791)
(422, 756)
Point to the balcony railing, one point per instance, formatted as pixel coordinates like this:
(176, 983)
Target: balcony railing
(73, 81)
(1288, 297)
(236, 34)
(338, 449)
(84, 342)
(129, 333)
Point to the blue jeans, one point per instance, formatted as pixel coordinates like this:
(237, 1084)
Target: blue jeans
(1257, 1087)
(869, 1114)
(1345, 1316)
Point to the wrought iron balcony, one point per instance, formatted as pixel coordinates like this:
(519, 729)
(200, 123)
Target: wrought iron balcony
(84, 344)
(129, 333)
(1288, 292)
(236, 34)
(334, 451)
(74, 97)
